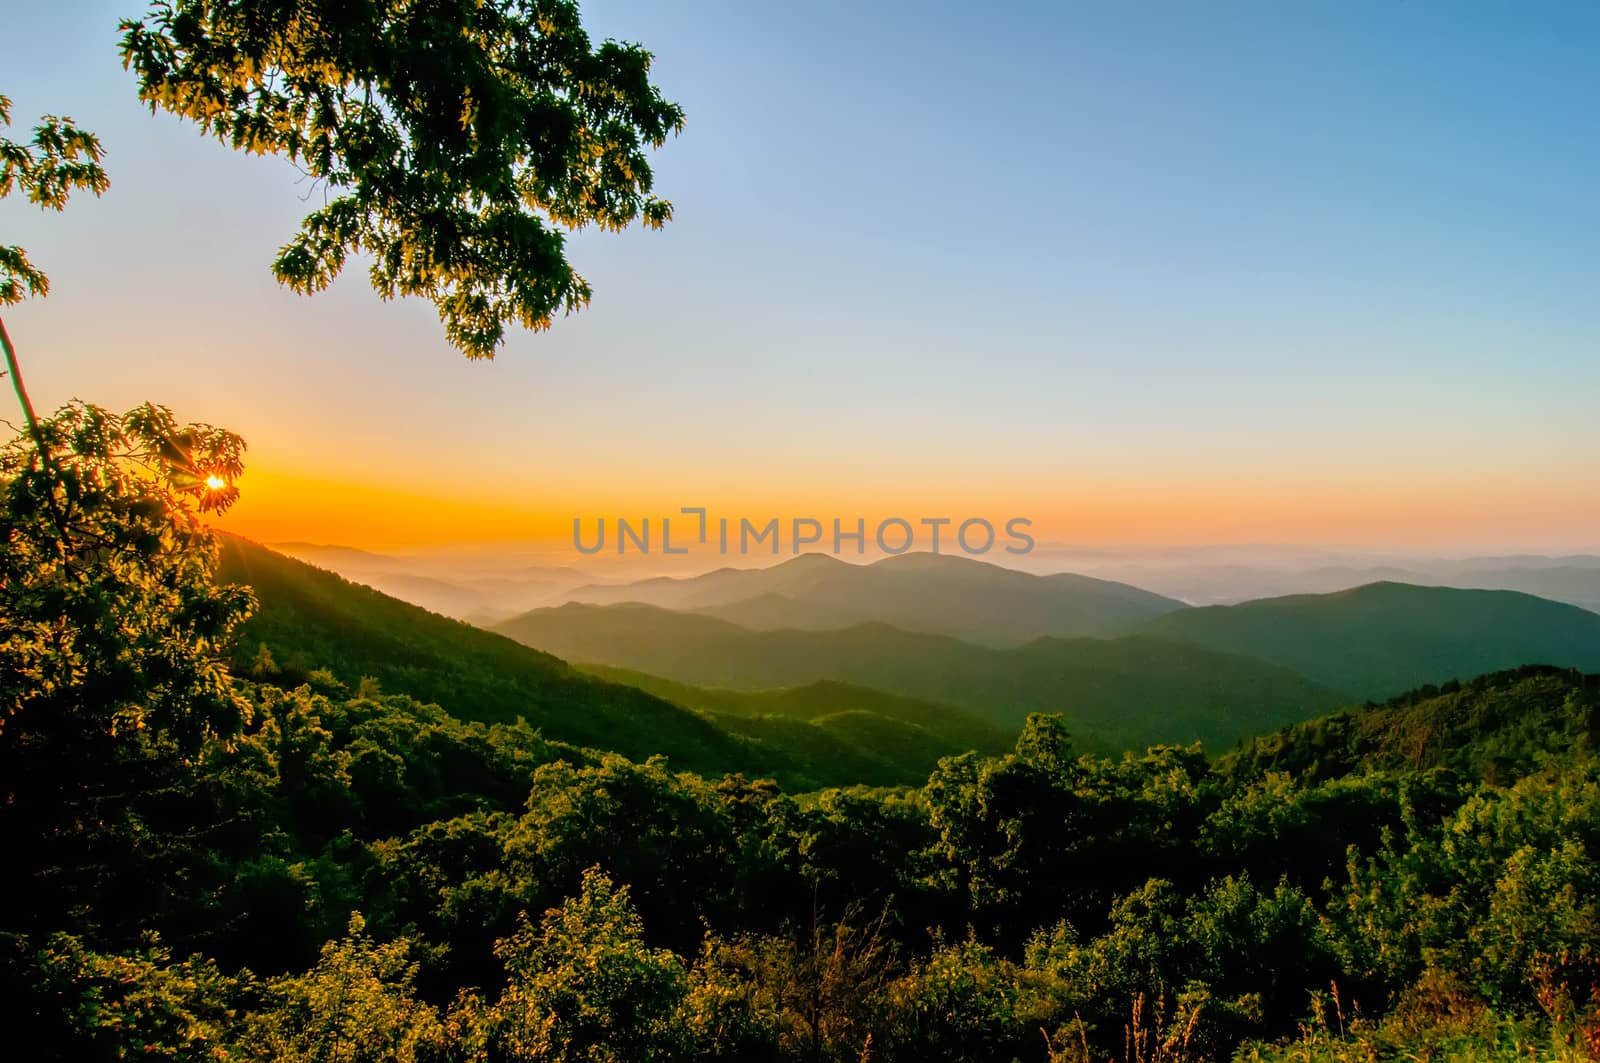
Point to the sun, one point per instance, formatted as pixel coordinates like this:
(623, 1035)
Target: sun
(216, 483)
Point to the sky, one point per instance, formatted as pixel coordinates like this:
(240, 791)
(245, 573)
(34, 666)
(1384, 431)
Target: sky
(1319, 273)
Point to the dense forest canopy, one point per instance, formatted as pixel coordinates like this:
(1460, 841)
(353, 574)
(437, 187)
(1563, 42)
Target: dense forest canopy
(206, 865)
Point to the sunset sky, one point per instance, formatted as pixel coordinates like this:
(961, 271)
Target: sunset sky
(1148, 273)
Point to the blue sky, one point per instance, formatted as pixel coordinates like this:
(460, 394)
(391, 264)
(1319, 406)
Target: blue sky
(1297, 258)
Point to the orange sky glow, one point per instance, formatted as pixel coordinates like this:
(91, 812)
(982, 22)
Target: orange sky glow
(281, 506)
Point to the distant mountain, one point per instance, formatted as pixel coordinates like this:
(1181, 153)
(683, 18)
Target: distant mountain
(328, 555)
(1384, 638)
(440, 587)
(309, 618)
(1227, 575)
(1575, 581)
(769, 611)
(938, 594)
(1126, 692)
(837, 728)
(1498, 562)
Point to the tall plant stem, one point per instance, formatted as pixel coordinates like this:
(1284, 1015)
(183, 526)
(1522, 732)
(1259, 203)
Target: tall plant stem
(45, 462)
(15, 368)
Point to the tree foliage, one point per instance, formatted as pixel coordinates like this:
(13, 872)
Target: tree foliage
(455, 142)
(583, 985)
(111, 631)
(106, 593)
(357, 1005)
(59, 159)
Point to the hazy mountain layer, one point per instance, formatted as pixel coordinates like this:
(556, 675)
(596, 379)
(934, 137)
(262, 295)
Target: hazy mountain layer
(939, 594)
(312, 619)
(481, 592)
(836, 729)
(1229, 575)
(1125, 691)
(1384, 638)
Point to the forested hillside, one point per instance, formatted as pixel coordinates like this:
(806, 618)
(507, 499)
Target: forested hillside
(1382, 639)
(1037, 905)
(309, 619)
(312, 626)
(1491, 728)
(849, 732)
(1123, 692)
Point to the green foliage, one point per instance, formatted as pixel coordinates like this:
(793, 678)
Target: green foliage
(678, 830)
(963, 1002)
(727, 1015)
(818, 991)
(110, 630)
(1040, 833)
(455, 141)
(584, 985)
(355, 1006)
(58, 160)
(108, 603)
(133, 1005)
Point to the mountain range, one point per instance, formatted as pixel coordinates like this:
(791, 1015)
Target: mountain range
(314, 623)
(1124, 691)
(1385, 638)
(1212, 673)
(939, 594)
(818, 685)
(1229, 575)
(487, 585)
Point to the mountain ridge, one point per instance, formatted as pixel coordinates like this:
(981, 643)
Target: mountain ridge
(1127, 691)
(945, 594)
(1383, 638)
(321, 628)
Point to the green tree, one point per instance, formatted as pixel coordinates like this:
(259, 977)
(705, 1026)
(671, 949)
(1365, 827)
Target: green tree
(131, 1005)
(56, 161)
(112, 619)
(962, 1002)
(1041, 834)
(824, 985)
(662, 834)
(356, 1006)
(457, 141)
(583, 985)
(727, 1014)
(112, 631)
